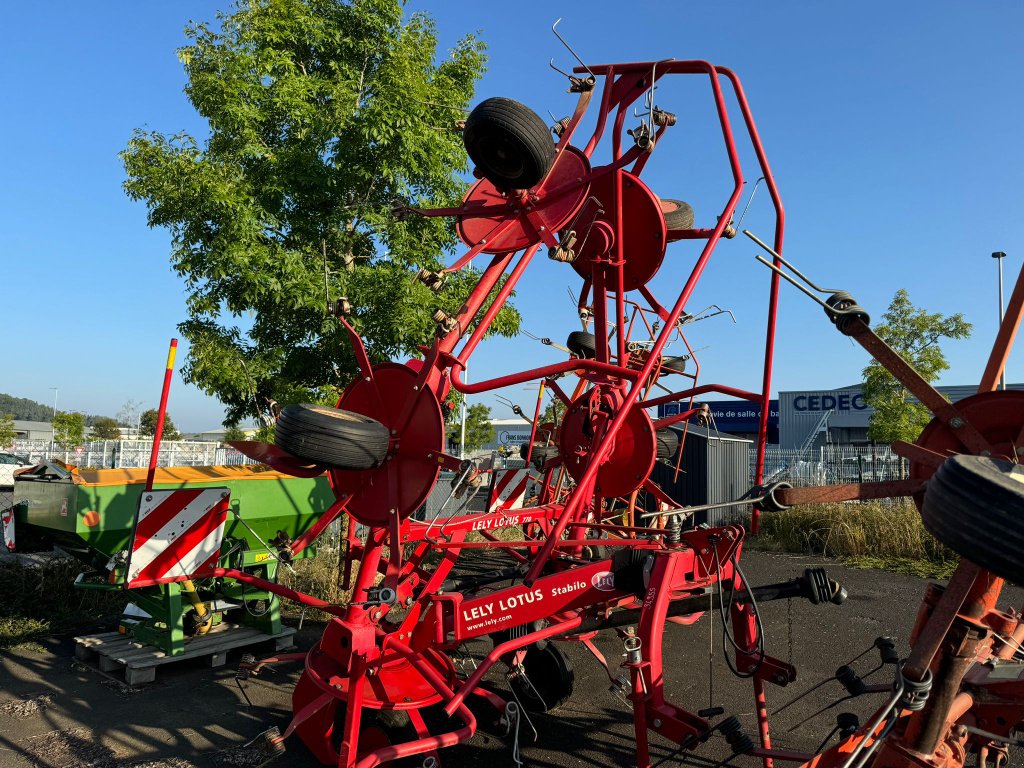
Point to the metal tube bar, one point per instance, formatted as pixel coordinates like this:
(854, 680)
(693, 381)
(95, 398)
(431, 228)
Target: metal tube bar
(1007, 331)
(154, 453)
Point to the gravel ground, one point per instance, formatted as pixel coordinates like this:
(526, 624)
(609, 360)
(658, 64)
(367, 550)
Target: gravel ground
(56, 712)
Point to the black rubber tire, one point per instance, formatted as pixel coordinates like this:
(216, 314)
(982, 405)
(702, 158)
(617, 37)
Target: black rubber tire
(668, 442)
(582, 344)
(542, 454)
(551, 678)
(673, 365)
(974, 507)
(509, 143)
(331, 436)
(678, 217)
(525, 447)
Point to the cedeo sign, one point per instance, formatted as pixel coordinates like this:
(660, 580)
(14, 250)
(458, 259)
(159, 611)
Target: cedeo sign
(818, 403)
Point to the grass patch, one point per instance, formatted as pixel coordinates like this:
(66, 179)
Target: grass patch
(40, 600)
(21, 632)
(889, 536)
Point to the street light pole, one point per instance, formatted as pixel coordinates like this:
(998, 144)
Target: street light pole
(999, 256)
(53, 418)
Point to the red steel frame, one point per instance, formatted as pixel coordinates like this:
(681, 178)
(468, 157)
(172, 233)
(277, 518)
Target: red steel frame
(559, 586)
(556, 589)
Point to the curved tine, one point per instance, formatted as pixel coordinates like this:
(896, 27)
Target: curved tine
(569, 47)
(796, 271)
(551, 64)
(1004, 338)
(750, 199)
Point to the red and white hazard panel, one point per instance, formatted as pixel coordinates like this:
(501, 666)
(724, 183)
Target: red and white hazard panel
(177, 535)
(7, 524)
(508, 489)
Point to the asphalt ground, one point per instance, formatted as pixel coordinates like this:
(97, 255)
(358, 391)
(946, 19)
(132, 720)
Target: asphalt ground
(56, 712)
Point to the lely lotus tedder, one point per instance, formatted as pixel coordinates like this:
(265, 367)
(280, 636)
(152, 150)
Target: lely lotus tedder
(382, 685)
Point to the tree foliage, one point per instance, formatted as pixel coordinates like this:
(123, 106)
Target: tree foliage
(479, 429)
(69, 429)
(23, 408)
(233, 432)
(105, 428)
(147, 425)
(7, 433)
(915, 334)
(322, 114)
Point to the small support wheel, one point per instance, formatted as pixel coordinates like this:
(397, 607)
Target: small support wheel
(542, 454)
(546, 679)
(582, 344)
(668, 442)
(332, 436)
(673, 365)
(678, 214)
(975, 506)
(509, 143)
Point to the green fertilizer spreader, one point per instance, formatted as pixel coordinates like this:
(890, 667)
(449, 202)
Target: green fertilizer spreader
(90, 514)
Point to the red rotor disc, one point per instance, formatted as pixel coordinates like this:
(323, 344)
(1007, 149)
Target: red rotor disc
(643, 234)
(633, 451)
(559, 197)
(403, 482)
(998, 416)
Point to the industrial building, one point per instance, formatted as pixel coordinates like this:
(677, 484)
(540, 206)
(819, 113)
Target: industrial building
(807, 418)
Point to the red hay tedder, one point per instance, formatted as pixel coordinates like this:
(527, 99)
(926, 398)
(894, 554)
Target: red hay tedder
(381, 685)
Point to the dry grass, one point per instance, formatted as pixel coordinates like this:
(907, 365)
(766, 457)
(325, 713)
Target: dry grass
(866, 534)
(41, 600)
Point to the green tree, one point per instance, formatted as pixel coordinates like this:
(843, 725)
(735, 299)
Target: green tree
(147, 425)
(915, 335)
(105, 428)
(7, 433)
(69, 429)
(479, 429)
(321, 115)
(233, 432)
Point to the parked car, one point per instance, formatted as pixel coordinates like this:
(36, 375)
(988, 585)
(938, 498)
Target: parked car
(9, 463)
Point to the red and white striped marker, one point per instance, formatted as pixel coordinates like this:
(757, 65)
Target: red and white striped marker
(177, 535)
(7, 524)
(508, 489)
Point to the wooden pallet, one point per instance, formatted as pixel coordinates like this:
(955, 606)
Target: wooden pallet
(114, 651)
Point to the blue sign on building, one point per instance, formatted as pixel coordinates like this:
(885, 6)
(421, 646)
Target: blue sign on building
(733, 415)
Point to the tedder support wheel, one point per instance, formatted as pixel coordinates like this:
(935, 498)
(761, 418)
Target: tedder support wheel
(545, 680)
(678, 214)
(509, 143)
(542, 454)
(582, 344)
(673, 365)
(332, 436)
(975, 506)
(668, 442)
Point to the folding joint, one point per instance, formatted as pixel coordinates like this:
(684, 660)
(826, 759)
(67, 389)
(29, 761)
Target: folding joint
(433, 280)
(340, 307)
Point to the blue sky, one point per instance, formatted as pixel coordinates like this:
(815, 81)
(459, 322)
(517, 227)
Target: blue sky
(893, 130)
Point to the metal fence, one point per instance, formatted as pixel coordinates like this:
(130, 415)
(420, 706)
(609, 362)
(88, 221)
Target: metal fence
(117, 454)
(831, 464)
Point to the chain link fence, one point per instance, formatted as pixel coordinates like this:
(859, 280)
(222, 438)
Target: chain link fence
(118, 454)
(831, 464)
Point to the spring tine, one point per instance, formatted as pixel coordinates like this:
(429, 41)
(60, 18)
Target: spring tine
(809, 691)
(551, 63)
(795, 283)
(569, 47)
(749, 201)
(796, 271)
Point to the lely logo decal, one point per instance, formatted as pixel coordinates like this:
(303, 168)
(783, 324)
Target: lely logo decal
(604, 581)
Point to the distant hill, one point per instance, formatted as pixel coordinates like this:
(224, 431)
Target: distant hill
(25, 409)
(29, 410)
